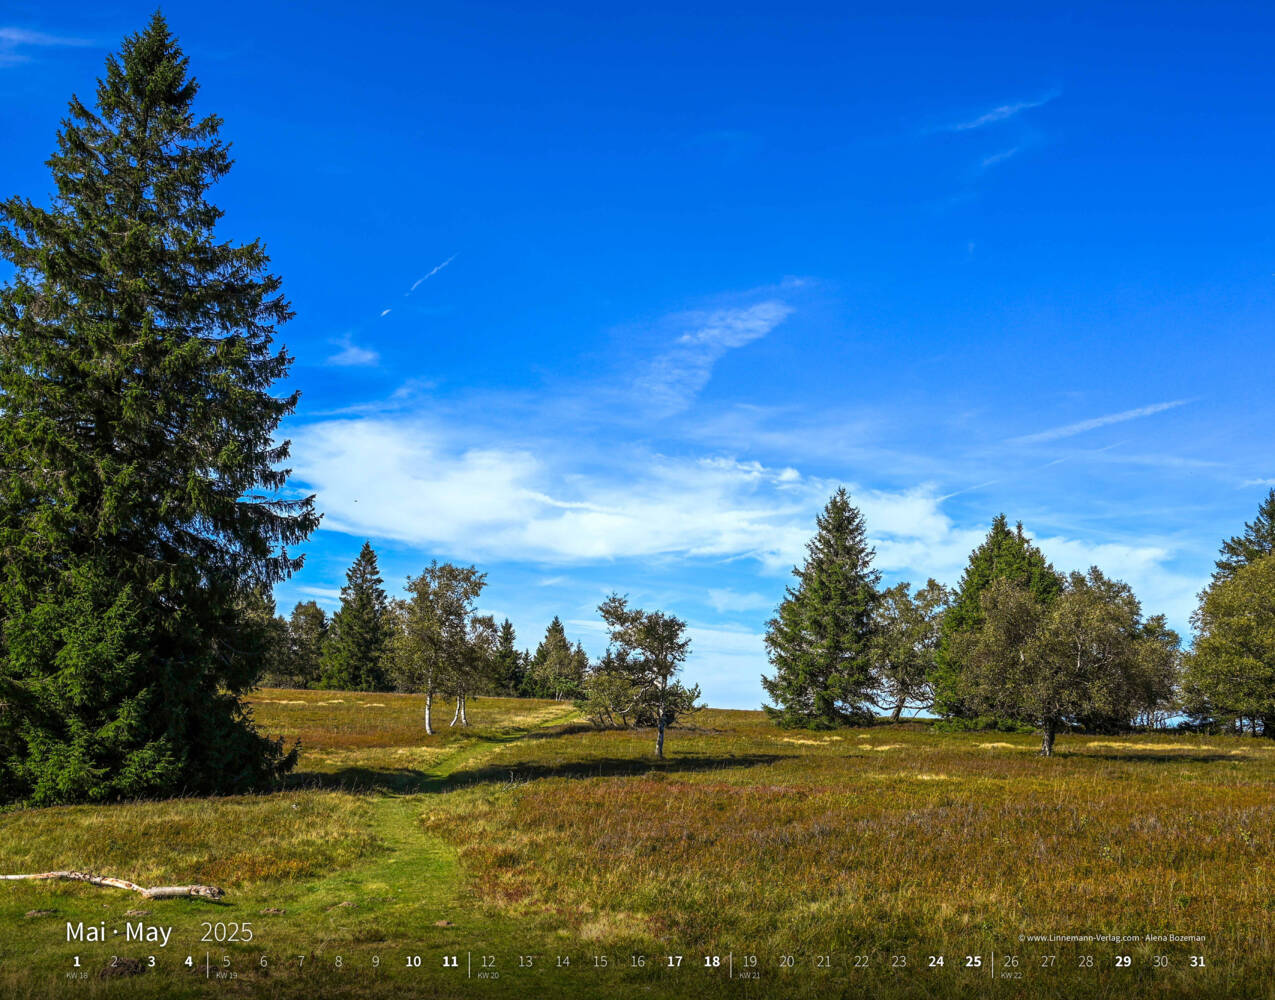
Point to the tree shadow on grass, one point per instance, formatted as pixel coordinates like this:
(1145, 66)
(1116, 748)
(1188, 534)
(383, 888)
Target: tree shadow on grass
(408, 781)
(1159, 757)
(553, 732)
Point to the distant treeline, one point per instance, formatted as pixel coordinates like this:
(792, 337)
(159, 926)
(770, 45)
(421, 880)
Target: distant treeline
(373, 642)
(1018, 644)
(435, 643)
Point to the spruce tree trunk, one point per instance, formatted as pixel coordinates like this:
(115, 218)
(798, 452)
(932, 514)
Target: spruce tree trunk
(429, 702)
(1047, 739)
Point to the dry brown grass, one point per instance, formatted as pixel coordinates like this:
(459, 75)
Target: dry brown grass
(748, 839)
(518, 837)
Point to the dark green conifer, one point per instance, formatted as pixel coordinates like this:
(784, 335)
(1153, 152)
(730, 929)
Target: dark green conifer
(140, 491)
(556, 670)
(507, 667)
(354, 655)
(307, 635)
(820, 640)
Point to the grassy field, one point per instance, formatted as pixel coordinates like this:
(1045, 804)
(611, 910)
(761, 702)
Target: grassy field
(752, 862)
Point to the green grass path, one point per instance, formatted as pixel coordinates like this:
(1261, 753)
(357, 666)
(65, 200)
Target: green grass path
(416, 872)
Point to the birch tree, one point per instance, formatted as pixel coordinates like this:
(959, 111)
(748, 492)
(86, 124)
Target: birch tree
(432, 636)
(475, 662)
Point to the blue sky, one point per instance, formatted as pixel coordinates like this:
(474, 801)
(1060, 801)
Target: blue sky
(614, 301)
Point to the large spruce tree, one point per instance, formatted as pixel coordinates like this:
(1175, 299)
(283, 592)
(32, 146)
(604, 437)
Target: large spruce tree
(1258, 540)
(820, 640)
(1004, 555)
(354, 656)
(140, 491)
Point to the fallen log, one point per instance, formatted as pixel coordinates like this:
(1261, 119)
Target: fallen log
(105, 881)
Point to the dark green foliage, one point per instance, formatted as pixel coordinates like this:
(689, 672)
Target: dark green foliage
(508, 666)
(820, 640)
(1003, 555)
(557, 669)
(1258, 540)
(354, 655)
(307, 636)
(139, 494)
(269, 634)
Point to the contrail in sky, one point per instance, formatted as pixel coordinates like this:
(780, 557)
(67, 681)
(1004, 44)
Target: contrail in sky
(431, 274)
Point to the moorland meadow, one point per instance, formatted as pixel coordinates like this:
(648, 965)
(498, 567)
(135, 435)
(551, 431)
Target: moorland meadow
(532, 839)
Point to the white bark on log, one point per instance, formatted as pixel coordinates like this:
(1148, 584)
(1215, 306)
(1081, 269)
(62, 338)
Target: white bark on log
(105, 881)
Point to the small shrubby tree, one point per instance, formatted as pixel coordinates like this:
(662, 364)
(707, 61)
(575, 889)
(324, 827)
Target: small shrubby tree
(650, 647)
(1155, 677)
(612, 693)
(354, 652)
(820, 639)
(905, 642)
(140, 492)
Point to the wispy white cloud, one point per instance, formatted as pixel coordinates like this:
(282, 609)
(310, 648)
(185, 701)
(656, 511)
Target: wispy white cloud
(1069, 430)
(524, 503)
(330, 596)
(351, 355)
(1143, 564)
(673, 378)
(1001, 157)
(1257, 482)
(386, 312)
(14, 40)
(1000, 113)
(438, 267)
(727, 600)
